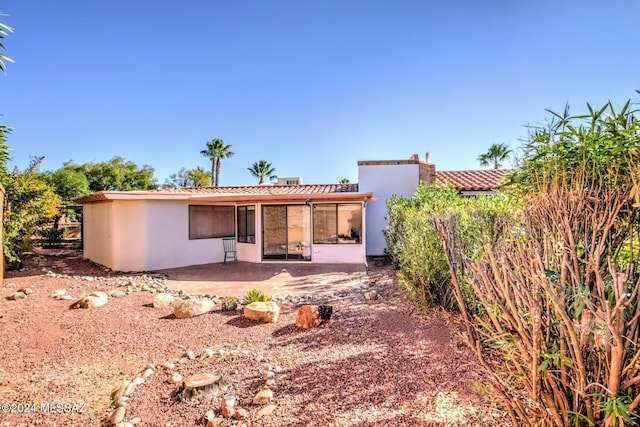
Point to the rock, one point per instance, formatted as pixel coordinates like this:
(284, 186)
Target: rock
(26, 291)
(163, 300)
(210, 415)
(130, 388)
(206, 353)
(204, 387)
(228, 401)
(241, 414)
(371, 296)
(138, 381)
(176, 378)
(189, 355)
(264, 397)
(66, 297)
(93, 300)
(147, 373)
(125, 425)
(271, 382)
(267, 312)
(193, 308)
(16, 296)
(59, 293)
(168, 365)
(308, 317)
(267, 410)
(118, 415)
(269, 375)
(120, 392)
(215, 422)
(228, 412)
(117, 294)
(326, 311)
(136, 420)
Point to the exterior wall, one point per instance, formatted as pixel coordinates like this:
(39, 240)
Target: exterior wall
(384, 179)
(97, 238)
(168, 244)
(338, 254)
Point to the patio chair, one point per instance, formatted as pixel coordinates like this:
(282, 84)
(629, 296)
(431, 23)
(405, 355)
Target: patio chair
(229, 245)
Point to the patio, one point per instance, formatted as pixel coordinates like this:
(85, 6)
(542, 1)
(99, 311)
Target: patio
(236, 279)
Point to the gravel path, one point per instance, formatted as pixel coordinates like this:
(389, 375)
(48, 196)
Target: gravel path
(380, 362)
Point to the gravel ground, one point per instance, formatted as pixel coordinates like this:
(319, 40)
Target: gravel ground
(376, 363)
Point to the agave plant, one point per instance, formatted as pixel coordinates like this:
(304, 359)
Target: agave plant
(255, 295)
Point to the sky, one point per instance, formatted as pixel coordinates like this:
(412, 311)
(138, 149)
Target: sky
(311, 86)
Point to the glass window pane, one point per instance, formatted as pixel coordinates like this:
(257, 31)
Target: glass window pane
(349, 223)
(206, 222)
(324, 223)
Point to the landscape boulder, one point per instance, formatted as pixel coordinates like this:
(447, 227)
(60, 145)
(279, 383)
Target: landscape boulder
(193, 307)
(162, 300)
(308, 317)
(267, 312)
(94, 299)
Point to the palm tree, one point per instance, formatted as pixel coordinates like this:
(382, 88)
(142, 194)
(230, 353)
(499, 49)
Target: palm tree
(262, 169)
(496, 154)
(216, 150)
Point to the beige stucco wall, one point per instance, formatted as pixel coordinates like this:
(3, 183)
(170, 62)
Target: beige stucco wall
(97, 238)
(147, 235)
(384, 179)
(338, 253)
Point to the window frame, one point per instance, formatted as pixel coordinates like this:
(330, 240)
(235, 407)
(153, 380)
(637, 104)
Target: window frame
(250, 239)
(355, 241)
(213, 208)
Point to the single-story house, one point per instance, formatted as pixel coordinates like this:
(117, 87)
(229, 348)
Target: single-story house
(332, 223)
(167, 228)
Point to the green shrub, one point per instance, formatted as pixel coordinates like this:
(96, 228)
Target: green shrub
(255, 295)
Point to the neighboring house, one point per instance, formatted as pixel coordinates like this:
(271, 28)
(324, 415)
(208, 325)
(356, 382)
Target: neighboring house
(152, 230)
(386, 178)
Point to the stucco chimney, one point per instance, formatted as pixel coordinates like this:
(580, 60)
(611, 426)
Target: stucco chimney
(426, 157)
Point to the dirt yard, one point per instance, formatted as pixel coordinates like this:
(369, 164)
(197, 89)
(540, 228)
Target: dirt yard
(376, 363)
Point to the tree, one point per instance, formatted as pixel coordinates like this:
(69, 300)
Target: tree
(69, 182)
(119, 174)
(30, 204)
(4, 32)
(216, 151)
(496, 154)
(345, 181)
(262, 169)
(197, 177)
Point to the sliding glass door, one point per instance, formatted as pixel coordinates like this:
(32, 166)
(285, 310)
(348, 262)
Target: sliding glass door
(286, 232)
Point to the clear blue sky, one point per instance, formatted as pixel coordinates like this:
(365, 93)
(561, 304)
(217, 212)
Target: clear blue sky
(310, 86)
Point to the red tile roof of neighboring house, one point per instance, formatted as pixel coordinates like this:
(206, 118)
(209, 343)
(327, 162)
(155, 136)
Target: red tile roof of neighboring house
(472, 180)
(237, 193)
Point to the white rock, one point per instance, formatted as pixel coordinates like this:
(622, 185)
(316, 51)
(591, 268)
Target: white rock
(94, 299)
(193, 308)
(267, 312)
(264, 397)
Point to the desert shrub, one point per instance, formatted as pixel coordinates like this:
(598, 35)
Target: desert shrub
(229, 304)
(52, 237)
(416, 250)
(30, 203)
(556, 321)
(255, 295)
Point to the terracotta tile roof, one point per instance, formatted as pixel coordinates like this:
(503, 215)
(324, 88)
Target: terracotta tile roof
(266, 192)
(472, 180)
(266, 189)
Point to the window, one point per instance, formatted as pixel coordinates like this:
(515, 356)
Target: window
(208, 222)
(247, 224)
(337, 223)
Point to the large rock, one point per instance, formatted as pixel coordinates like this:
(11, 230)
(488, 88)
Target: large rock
(163, 300)
(94, 299)
(193, 308)
(267, 312)
(308, 317)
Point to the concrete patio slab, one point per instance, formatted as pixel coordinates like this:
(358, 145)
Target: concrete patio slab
(272, 279)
